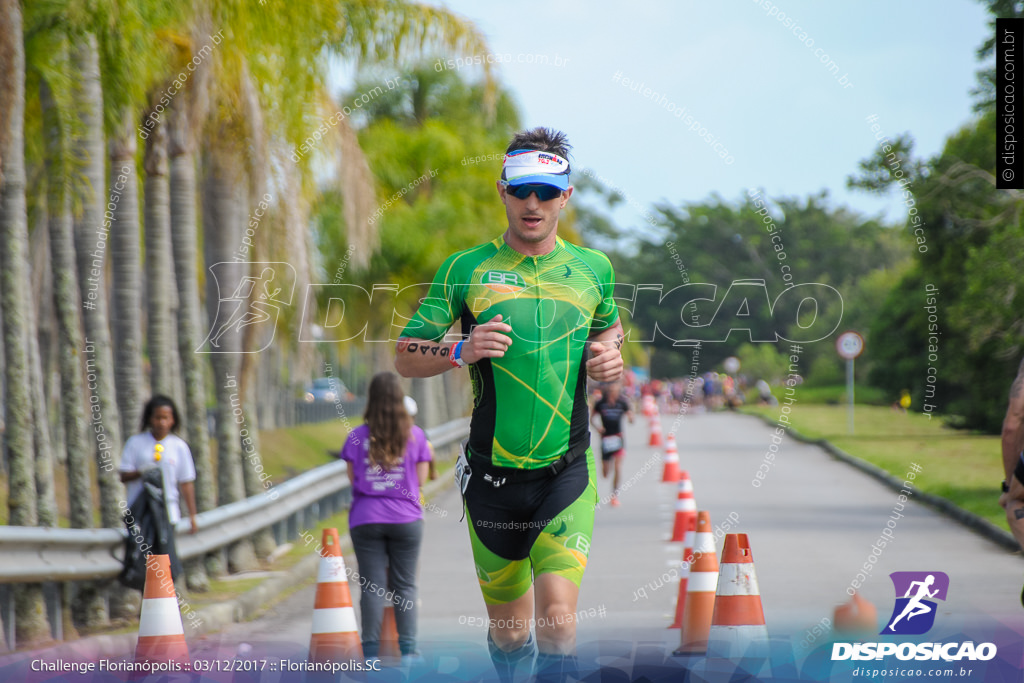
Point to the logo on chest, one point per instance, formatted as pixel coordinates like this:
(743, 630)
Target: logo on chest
(503, 281)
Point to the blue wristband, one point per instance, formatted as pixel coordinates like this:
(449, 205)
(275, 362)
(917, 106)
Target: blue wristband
(455, 357)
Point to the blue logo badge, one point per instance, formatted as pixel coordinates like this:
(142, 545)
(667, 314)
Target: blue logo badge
(916, 592)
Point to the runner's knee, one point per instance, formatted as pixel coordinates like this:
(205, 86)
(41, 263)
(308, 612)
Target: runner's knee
(510, 633)
(557, 620)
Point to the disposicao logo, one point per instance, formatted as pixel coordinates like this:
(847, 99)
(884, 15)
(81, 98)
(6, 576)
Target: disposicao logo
(914, 614)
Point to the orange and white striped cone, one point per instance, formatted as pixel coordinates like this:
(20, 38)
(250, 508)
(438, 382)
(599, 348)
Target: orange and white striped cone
(684, 575)
(856, 616)
(334, 635)
(655, 439)
(389, 634)
(686, 508)
(671, 470)
(389, 630)
(700, 590)
(649, 407)
(161, 635)
(738, 630)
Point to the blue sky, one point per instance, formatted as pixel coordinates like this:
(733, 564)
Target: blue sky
(752, 82)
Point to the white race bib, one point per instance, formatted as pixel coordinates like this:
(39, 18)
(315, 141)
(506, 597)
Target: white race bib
(611, 444)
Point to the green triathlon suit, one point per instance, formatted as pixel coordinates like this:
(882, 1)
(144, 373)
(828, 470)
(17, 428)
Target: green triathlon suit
(530, 406)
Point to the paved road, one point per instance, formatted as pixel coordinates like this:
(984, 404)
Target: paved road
(811, 525)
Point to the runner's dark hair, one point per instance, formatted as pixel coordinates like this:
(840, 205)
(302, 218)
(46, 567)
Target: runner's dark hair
(388, 420)
(543, 140)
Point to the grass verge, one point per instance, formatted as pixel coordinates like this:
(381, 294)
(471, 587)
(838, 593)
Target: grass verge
(962, 467)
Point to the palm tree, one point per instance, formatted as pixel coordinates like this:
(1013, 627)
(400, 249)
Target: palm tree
(40, 342)
(32, 625)
(131, 74)
(11, 50)
(125, 257)
(181, 150)
(91, 240)
(66, 304)
(223, 212)
(159, 264)
(46, 501)
(289, 68)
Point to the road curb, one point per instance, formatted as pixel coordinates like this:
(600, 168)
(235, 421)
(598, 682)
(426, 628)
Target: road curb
(977, 524)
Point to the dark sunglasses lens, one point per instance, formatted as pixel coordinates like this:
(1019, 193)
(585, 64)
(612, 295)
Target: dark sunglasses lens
(544, 193)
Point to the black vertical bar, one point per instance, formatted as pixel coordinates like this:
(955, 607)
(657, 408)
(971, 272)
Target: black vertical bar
(1009, 47)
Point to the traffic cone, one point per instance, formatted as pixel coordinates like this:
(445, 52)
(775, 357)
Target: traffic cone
(655, 439)
(737, 626)
(649, 407)
(671, 470)
(686, 506)
(389, 635)
(684, 576)
(161, 635)
(856, 616)
(334, 635)
(700, 590)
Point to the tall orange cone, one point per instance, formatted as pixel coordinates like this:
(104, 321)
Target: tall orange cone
(389, 634)
(334, 635)
(684, 575)
(700, 590)
(737, 626)
(686, 507)
(655, 439)
(671, 470)
(161, 636)
(856, 616)
(649, 407)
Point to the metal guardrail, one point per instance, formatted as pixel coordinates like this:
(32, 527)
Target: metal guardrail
(38, 554)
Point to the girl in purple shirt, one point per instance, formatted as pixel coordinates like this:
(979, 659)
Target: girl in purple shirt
(388, 458)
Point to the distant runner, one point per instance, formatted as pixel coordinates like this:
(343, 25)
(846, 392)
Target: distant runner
(611, 407)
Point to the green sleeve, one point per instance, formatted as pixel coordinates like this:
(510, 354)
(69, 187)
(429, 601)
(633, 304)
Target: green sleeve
(441, 307)
(606, 313)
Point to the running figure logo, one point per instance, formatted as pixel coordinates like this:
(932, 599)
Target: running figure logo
(248, 294)
(914, 613)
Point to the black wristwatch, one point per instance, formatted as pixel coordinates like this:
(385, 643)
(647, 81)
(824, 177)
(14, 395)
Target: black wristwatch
(1006, 489)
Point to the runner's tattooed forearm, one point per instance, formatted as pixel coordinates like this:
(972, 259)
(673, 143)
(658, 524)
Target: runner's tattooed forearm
(424, 349)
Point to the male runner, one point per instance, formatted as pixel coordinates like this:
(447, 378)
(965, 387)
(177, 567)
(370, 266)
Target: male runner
(1012, 498)
(537, 318)
(611, 408)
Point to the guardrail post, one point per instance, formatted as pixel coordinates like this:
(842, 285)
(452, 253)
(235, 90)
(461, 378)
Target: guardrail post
(7, 609)
(52, 596)
(292, 525)
(279, 539)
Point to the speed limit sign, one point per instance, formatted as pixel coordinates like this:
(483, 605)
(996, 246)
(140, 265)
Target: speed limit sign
(850, 345)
